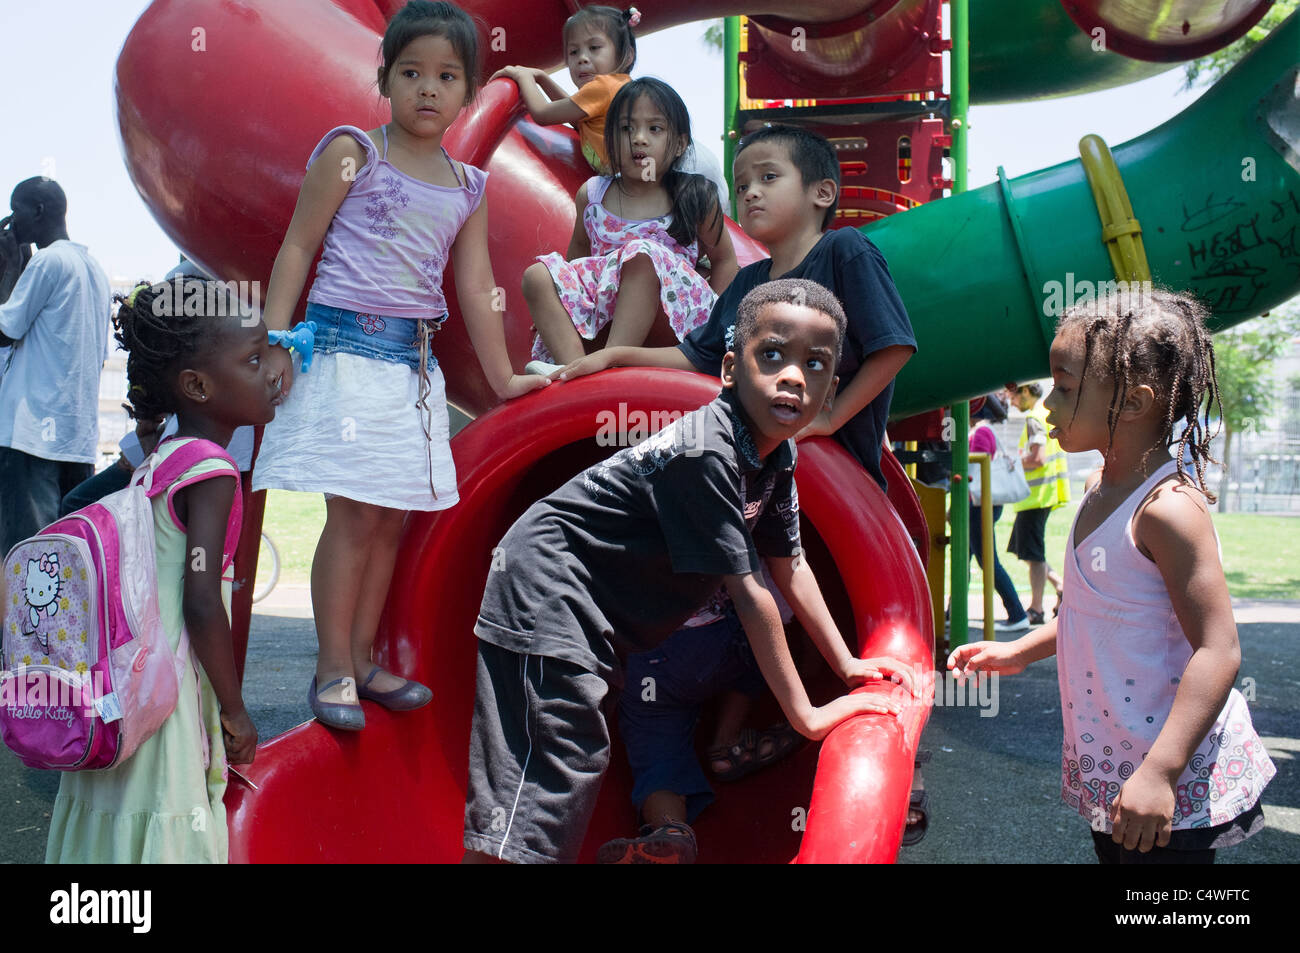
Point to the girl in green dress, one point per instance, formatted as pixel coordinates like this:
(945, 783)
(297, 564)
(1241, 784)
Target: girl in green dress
(164, 804)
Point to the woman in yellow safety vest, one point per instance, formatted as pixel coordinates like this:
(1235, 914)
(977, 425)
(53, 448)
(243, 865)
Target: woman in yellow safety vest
(1049, 487)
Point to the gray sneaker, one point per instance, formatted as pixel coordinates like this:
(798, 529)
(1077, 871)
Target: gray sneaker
(1021, 626)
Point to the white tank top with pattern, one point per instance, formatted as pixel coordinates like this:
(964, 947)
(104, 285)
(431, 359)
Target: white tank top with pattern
(1121, 653)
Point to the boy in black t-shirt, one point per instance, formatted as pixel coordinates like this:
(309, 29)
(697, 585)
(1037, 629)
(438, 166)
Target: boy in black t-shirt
(617, 558)
(787, 187)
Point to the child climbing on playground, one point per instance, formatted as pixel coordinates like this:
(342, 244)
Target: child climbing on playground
(636, 239)
(367, 426)
(787, 187)
(1159, 751)
(164, 803)
(617, 558)
(600, 51)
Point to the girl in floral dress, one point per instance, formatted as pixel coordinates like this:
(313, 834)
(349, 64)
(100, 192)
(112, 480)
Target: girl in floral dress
(636, 241)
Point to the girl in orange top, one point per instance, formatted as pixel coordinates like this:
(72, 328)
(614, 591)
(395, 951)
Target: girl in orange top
(600, 51)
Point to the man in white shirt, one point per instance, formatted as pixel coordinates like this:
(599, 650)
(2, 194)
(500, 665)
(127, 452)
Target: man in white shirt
(56, 321)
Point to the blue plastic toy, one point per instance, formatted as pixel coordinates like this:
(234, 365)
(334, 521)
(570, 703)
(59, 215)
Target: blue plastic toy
(301, 339)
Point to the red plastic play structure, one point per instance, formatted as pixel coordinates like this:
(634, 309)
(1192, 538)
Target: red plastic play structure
(216, 131)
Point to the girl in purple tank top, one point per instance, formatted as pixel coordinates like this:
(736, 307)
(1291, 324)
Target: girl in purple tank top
(1159, 751)
(367, 426)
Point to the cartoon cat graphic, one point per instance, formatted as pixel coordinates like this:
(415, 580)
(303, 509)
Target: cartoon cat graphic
(42, 591)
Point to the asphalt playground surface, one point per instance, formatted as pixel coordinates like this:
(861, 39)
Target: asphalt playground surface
(994, 781)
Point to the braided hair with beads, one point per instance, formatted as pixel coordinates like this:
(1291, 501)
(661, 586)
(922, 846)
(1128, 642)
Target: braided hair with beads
(1156, 337)
(159, 340)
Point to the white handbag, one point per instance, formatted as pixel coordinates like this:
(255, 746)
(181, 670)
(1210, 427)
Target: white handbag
(1007, 476)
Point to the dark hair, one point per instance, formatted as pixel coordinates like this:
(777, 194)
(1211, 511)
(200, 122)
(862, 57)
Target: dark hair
(1155, 337)
(1033, 387)
(695, 198)
(42, 190)
(613, 23)
(161, 336)
(426, 18)
(810, 153)
(994, 408)
(800, 291)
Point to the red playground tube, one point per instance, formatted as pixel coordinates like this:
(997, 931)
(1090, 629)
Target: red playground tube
(396, 791)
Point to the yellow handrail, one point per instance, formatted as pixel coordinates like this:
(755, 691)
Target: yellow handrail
(1121, 232)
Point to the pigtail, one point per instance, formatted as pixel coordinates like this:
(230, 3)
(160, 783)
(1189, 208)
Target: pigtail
(631, 18)
(1201, 385)
(696, 209)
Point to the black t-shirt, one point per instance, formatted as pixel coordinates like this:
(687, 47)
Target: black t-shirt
(616, 559)
(846, 262)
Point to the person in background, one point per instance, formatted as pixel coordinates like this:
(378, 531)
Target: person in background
(983, 440)
(56, 321)
(1049, 487)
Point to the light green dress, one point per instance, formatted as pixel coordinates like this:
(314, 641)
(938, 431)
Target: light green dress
(164, 803)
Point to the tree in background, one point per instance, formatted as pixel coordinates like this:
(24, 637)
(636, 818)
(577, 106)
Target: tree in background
(1244, 358)
(713, 34)
(1208, 69)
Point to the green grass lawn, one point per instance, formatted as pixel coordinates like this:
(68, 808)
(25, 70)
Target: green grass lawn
(294, 522)
(1261, 554)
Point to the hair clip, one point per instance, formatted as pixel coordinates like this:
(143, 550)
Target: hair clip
(633, 16)
(130, 299)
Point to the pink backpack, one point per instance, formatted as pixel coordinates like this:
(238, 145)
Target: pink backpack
(86, 671)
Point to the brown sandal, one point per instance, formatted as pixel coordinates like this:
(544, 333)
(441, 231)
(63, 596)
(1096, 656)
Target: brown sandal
(743, 757)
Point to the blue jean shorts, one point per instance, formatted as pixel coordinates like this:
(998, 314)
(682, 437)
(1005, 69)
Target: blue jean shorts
(395, 340)
(687, 669)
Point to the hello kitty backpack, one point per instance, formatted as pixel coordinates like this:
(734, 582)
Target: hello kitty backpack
(86, 671)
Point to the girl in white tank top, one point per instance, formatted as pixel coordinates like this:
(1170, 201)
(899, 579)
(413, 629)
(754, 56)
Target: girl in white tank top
(1159, 752)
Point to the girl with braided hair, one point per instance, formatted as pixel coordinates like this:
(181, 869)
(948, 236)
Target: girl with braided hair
(164, 804)
(1159, 751)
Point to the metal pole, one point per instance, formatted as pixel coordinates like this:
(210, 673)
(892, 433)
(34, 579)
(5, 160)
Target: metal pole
(730, 95)
(959, 80)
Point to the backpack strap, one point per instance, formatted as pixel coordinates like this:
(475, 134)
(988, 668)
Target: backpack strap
(164, 475)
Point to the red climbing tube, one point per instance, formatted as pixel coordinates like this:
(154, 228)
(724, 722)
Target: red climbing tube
(396, 791)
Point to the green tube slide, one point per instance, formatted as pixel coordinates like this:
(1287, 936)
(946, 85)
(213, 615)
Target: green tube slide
(1216, 190)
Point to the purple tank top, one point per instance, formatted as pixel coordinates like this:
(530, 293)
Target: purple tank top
(388, 244)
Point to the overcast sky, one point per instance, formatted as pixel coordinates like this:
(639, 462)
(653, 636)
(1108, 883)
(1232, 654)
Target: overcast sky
(57, 71)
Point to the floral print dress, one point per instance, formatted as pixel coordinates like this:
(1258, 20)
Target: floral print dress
(588, 287)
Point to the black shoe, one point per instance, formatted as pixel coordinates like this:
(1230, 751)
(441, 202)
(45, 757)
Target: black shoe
(1035, 618)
